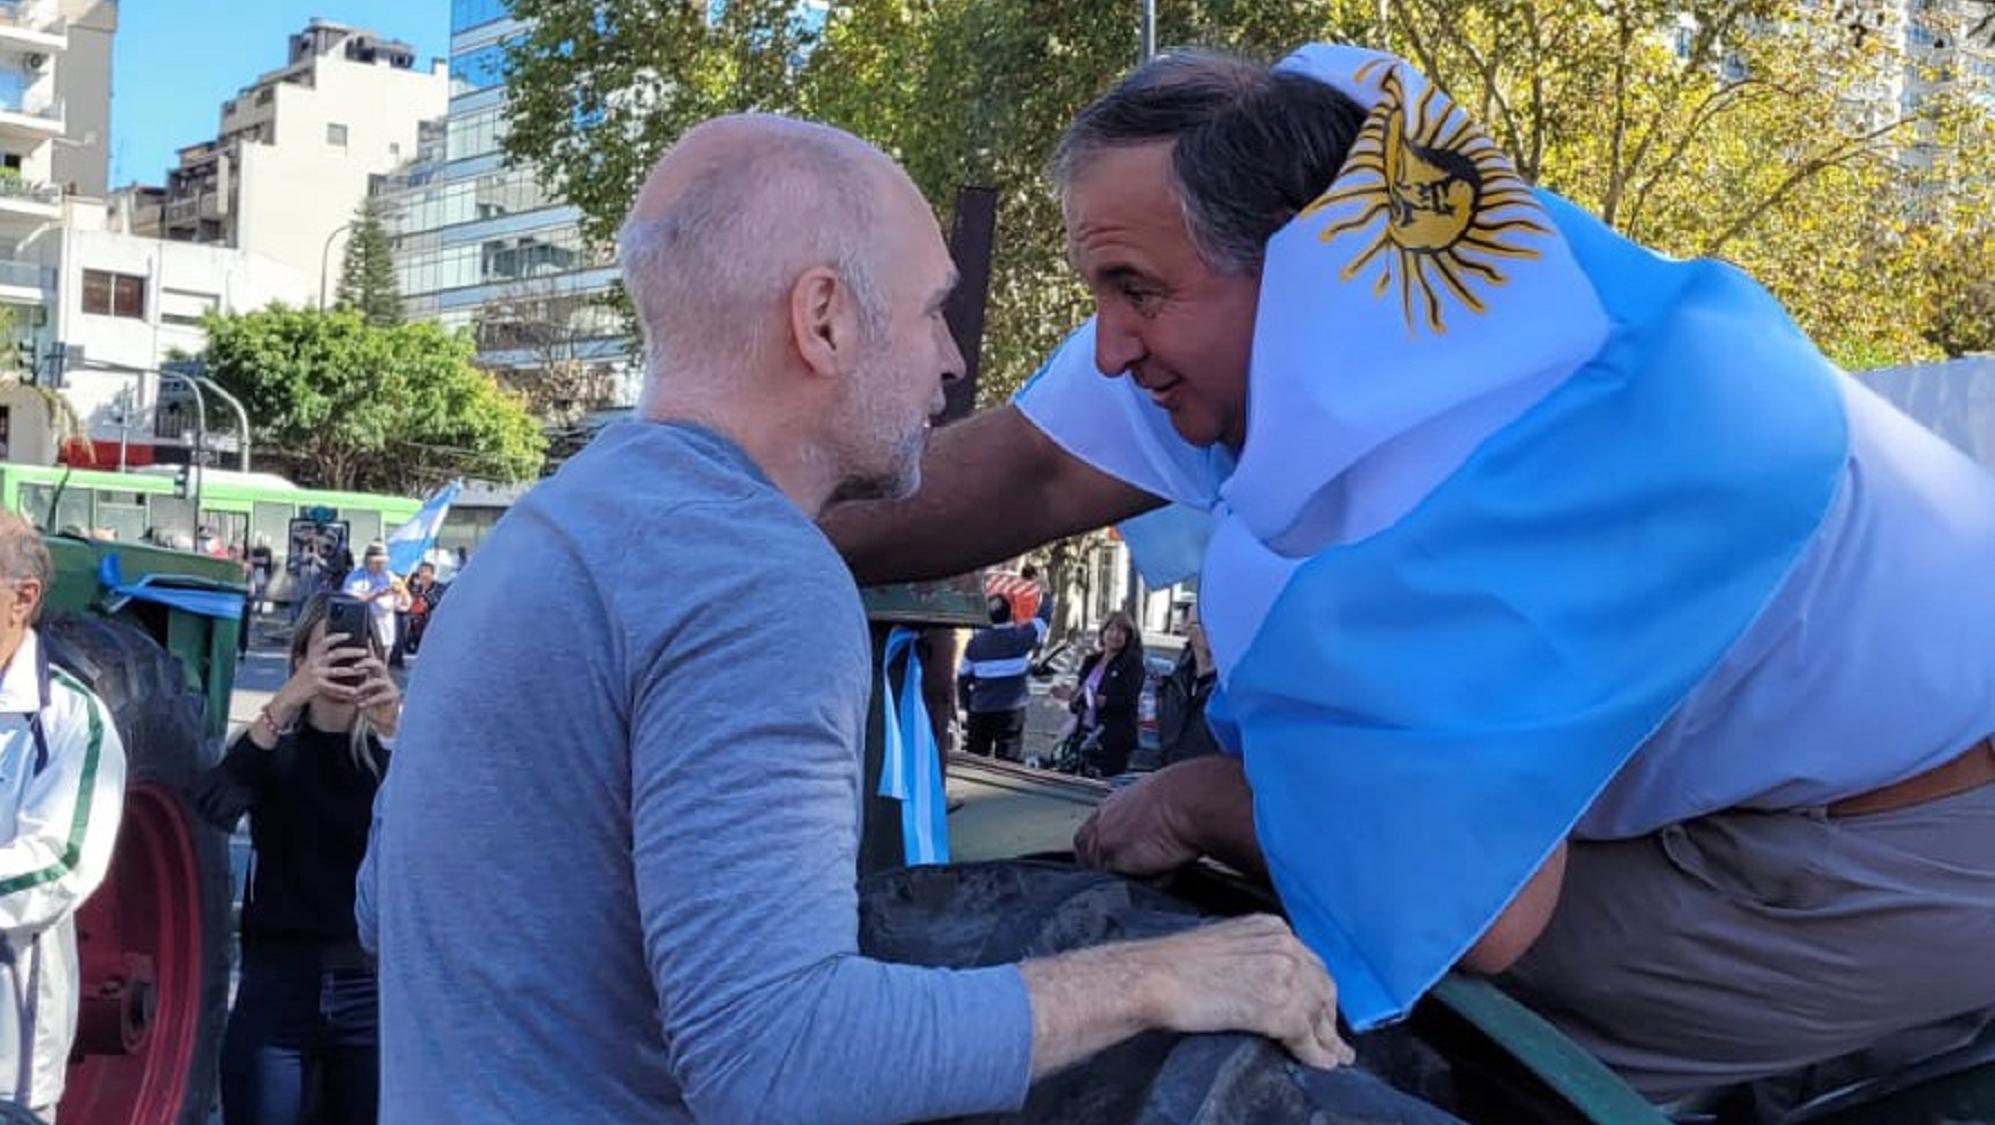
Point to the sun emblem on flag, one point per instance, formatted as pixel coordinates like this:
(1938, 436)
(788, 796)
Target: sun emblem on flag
(1445, 203)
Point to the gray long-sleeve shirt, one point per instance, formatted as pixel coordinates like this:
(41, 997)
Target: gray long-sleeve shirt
(611, 876)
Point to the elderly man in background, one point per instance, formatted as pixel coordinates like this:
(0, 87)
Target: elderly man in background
(62, 793)
(622, 888)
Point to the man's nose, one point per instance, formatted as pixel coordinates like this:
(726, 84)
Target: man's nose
(1116, 346)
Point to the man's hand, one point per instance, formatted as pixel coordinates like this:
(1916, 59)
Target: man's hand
(1248, 974)
(1172, 817)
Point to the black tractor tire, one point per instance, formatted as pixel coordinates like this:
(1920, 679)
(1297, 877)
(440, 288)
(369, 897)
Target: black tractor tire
(166, 900)
(981, 914)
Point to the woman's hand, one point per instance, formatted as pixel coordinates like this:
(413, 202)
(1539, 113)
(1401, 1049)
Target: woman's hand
(326, 672)
(378, 698)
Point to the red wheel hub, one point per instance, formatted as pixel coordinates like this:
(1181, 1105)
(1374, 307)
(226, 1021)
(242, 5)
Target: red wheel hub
(140, 941)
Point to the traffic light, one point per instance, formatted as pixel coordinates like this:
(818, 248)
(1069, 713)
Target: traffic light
(180, 481)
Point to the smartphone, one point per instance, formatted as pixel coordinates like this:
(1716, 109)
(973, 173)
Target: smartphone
(347, 618)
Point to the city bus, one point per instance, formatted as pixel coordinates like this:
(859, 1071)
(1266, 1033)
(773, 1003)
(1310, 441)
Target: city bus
(148, 505)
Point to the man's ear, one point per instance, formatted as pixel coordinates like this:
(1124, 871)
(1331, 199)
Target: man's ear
(823, 326)
(27, 598)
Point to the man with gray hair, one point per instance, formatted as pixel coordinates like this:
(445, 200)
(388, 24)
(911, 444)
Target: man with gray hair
(62, 792)
(623, 889)
(1575, 620)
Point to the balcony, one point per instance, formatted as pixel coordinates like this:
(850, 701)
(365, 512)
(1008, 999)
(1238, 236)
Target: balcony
(30, 202)
(32, 27)
(191, 210)
(31, 117)
(25, 283)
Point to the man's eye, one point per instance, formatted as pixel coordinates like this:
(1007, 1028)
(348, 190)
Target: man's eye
(1138, 296)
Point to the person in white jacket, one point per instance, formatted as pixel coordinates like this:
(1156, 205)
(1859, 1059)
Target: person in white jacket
(62, 788)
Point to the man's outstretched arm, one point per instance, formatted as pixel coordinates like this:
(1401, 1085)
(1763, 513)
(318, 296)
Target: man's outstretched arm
(992, 487)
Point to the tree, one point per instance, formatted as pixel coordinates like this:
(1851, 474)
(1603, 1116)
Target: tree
(367, 281)
(351, 405)
(554, 360)
(959, 91)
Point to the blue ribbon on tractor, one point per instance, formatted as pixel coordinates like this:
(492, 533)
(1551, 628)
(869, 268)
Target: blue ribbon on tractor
(215, 601)
(911, 767)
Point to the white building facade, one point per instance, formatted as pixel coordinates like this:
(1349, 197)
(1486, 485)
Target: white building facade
(297, 150)
(126, 306)
(33, 38)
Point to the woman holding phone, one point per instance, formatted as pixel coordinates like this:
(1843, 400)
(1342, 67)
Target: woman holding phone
(301, 1038)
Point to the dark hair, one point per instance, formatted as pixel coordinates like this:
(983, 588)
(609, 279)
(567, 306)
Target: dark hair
(1030, 572)
(1254, 145)
(1000, 609)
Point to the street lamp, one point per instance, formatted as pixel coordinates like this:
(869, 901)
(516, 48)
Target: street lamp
(325, 258)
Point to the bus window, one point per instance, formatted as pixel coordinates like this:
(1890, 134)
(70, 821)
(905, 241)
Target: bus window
(271, 520)
(172, 521)
(72, 507)
(232, 528)
(365, 528)
(122, 514)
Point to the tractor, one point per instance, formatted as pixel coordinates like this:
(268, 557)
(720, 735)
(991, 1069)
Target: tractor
(153, 633)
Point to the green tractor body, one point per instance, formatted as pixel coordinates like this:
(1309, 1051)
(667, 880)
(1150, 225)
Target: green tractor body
(149, 631)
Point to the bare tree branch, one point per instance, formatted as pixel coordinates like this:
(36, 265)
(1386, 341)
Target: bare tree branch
(1492, 93)
(1803, 172)
(1616, 172)
(1535, 160)
(1714, 103)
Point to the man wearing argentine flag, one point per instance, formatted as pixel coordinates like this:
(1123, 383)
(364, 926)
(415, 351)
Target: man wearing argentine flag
(1575, 619)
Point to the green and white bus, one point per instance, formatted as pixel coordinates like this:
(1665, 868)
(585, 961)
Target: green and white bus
(147, 505)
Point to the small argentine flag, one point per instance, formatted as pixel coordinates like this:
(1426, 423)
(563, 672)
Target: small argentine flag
(408, 543)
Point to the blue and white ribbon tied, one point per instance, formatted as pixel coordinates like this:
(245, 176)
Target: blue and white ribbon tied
(911, 768)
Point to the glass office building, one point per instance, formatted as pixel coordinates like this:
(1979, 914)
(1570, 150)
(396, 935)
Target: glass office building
(481, 246)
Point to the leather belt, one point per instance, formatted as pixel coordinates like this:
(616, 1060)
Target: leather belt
(1970, 770)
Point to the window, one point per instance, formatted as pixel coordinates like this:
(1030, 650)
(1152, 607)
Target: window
(470, 13)
(473, 135)
(54, 508)
(336, 136)
(186, 307)
(114, 294)
(477, 70)
(123, 514)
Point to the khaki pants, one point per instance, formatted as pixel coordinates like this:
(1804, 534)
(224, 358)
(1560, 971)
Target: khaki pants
(1748, 944)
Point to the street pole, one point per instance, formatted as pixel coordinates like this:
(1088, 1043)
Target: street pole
(1133, 604)
(195, 471)
(242, 421)
(325, 260)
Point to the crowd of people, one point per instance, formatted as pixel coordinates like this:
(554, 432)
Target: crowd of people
(1685, 738)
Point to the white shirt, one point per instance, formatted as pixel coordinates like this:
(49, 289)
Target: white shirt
(61, 800)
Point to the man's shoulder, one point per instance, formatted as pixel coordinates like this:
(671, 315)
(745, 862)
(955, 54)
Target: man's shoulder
(73, 706)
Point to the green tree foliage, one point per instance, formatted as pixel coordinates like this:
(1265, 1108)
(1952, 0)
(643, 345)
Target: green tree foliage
(367, 278)
(1766, 132)
(351, 405)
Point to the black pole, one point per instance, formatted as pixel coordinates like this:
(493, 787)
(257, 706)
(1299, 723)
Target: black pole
(970, 238)
(971, 232)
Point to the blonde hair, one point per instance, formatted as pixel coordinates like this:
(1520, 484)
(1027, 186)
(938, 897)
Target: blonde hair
(360, 743)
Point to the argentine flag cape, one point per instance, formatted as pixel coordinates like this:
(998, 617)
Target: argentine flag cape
(1512, 487)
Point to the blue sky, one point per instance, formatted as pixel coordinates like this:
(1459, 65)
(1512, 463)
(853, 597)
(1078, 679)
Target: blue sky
(176, 61)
